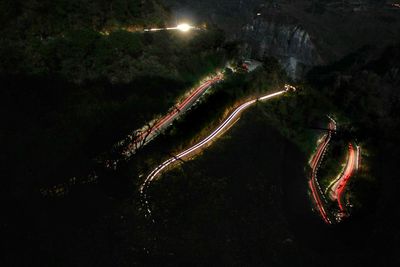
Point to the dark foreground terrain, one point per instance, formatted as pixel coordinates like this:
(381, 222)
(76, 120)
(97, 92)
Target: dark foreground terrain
(245, 202)
(69, 91)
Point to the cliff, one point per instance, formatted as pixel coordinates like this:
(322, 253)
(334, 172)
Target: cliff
(291, 44)
(300, 33)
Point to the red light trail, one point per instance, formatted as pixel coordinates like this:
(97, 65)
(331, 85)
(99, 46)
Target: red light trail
(351, 164)
(315, 162)
(163, 122)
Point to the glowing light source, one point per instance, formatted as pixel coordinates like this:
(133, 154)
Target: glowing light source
(184, 27)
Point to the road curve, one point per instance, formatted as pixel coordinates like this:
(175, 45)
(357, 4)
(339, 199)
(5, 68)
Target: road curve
(316, 190)
(232, 118)
(351, 166)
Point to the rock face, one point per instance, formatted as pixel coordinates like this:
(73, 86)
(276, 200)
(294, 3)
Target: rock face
(289, 43)
(286, 41)
(300, 33)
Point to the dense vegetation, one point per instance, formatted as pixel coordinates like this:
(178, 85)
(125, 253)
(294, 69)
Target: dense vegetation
(69, 91)
(90, 208)
(362, 92)
(212, 208)
(365, 87)
(46, 18)
(70, 94)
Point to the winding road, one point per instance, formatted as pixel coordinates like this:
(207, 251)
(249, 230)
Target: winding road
(316, 190)
(336, 188)
(225, 125)
(339, 186)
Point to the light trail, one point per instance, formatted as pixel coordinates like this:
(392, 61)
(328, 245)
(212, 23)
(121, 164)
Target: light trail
(312, 158)
(334, 181)
(351, 164)
(337, 187)
(358, 159)
(318, 202)
(315, 162)
(232, 118)
(184, 27)
(150, 133)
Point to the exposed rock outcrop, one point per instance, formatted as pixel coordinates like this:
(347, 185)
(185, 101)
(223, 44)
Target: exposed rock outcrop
(289, 43)
(301, 33)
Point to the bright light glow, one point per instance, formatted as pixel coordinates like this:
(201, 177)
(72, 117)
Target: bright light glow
(289, 87)
(184, 27)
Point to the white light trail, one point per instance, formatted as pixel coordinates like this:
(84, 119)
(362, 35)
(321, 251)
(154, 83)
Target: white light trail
(358, 158)
(184, 27)
(220, 129)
